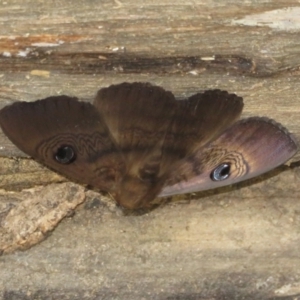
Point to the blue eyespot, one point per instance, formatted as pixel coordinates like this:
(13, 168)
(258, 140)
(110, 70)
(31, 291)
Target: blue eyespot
(65, 155)
(221, 172)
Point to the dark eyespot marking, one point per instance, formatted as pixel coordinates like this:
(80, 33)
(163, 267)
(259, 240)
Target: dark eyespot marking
(221, 172)
(65, 155)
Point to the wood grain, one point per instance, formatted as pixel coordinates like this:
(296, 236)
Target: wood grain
(235, 243)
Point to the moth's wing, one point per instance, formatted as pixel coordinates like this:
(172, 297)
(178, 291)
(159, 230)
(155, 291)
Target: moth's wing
(247, 149)
(154, 131)
(202, 117)
(47, 129)
(137, 114)
(141, 115)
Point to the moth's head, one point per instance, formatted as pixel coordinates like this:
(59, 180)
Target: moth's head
(135, 193)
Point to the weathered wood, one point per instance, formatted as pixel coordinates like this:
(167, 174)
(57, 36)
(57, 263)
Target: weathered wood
(233, 243)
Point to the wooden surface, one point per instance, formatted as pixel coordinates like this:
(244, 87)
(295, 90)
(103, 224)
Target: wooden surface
(239, 242)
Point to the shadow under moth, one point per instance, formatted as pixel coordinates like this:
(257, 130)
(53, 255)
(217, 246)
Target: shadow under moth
(137, 142)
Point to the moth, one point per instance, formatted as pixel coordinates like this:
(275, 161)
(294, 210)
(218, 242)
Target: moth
(137, 142)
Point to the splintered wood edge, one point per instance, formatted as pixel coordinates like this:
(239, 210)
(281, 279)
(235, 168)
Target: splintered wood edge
(38, 212)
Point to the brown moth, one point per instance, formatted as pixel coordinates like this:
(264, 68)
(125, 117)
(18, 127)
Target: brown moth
(138, 142)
